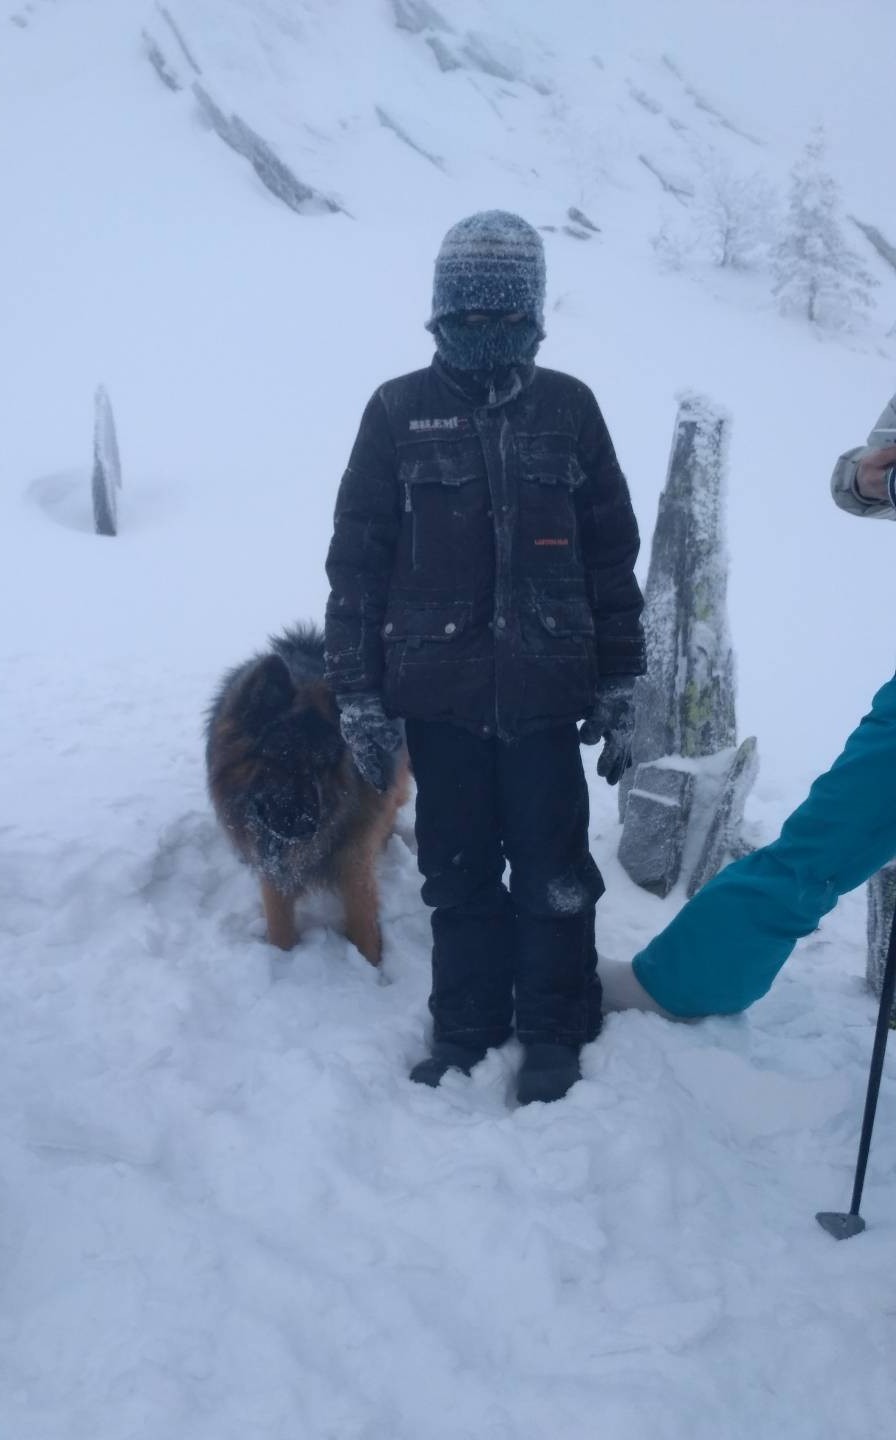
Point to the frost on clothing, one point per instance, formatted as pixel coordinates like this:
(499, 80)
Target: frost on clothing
(482, 559)
(523, 953)
(482, 574)
(374, 740)
(613, 722)
(495, 344)
(490, 262)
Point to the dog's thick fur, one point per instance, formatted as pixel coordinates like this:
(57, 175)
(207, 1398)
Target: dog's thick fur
(286, 791)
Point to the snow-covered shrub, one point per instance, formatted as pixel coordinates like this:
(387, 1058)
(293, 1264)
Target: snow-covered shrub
(728, 223)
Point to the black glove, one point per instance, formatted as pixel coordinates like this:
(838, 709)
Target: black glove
(613, 722)
(374, 740)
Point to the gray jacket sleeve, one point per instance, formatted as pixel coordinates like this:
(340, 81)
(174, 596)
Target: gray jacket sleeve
(843, 480)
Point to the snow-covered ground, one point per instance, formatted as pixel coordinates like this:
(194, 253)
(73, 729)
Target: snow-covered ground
(224, 1212)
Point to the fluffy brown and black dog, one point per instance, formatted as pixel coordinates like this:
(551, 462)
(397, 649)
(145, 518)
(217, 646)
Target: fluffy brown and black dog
(286, 791)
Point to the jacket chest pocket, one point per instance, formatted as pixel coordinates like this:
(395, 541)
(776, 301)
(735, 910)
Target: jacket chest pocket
(550, 476)
(447, 516)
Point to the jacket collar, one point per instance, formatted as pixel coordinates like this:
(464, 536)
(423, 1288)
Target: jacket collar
(486, 391)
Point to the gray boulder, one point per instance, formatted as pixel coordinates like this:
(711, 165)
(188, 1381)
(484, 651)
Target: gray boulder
(685, 703)
(881, 891)
(656, 826)
(726, 815)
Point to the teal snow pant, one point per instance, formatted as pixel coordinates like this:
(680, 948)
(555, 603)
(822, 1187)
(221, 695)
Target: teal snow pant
(725, 947)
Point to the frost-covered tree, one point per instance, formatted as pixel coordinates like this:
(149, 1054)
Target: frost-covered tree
(817, 274)
(737, 217)
(727, 224)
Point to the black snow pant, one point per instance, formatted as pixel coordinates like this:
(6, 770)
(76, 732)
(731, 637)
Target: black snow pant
(483, 804)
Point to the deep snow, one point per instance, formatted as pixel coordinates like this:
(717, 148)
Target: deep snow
(223, 1210)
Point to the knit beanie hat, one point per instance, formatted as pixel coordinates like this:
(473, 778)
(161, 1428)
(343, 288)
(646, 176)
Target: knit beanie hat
(490, 262)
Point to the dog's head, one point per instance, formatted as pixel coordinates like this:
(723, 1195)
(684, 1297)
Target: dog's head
(295, 757)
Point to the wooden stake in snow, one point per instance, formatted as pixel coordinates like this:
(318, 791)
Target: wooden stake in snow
(106, 481)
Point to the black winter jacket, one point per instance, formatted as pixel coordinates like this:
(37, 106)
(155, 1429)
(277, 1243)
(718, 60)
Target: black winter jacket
(481, 566)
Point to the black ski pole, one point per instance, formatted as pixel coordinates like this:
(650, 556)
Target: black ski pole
(838, 1224)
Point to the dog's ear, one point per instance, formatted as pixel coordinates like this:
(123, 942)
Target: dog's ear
(268, 691)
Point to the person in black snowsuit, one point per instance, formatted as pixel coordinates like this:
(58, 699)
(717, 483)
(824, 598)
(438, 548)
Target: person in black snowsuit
(482, 591)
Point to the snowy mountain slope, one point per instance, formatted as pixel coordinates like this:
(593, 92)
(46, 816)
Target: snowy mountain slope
(148, 255)
(222, 1210)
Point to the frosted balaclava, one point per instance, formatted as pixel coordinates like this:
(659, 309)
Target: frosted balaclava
(490, 264)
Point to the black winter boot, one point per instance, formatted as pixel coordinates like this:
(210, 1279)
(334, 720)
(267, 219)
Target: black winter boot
(445, 1056)
(547, 1072)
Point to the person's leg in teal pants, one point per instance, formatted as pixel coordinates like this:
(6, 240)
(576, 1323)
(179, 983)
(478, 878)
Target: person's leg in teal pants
(725, 947)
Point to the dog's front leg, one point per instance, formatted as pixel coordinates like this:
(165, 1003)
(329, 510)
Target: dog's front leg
(279, 912)
(360, 896)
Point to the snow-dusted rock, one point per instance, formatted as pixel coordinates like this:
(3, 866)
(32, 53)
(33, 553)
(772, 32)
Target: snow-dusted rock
(727, 815)
(273, 172)
(106, 479)
(881, 907)
(656, 826)
(685, 703)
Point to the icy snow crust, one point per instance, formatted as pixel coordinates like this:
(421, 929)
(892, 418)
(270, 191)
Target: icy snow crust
(224, 1212)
